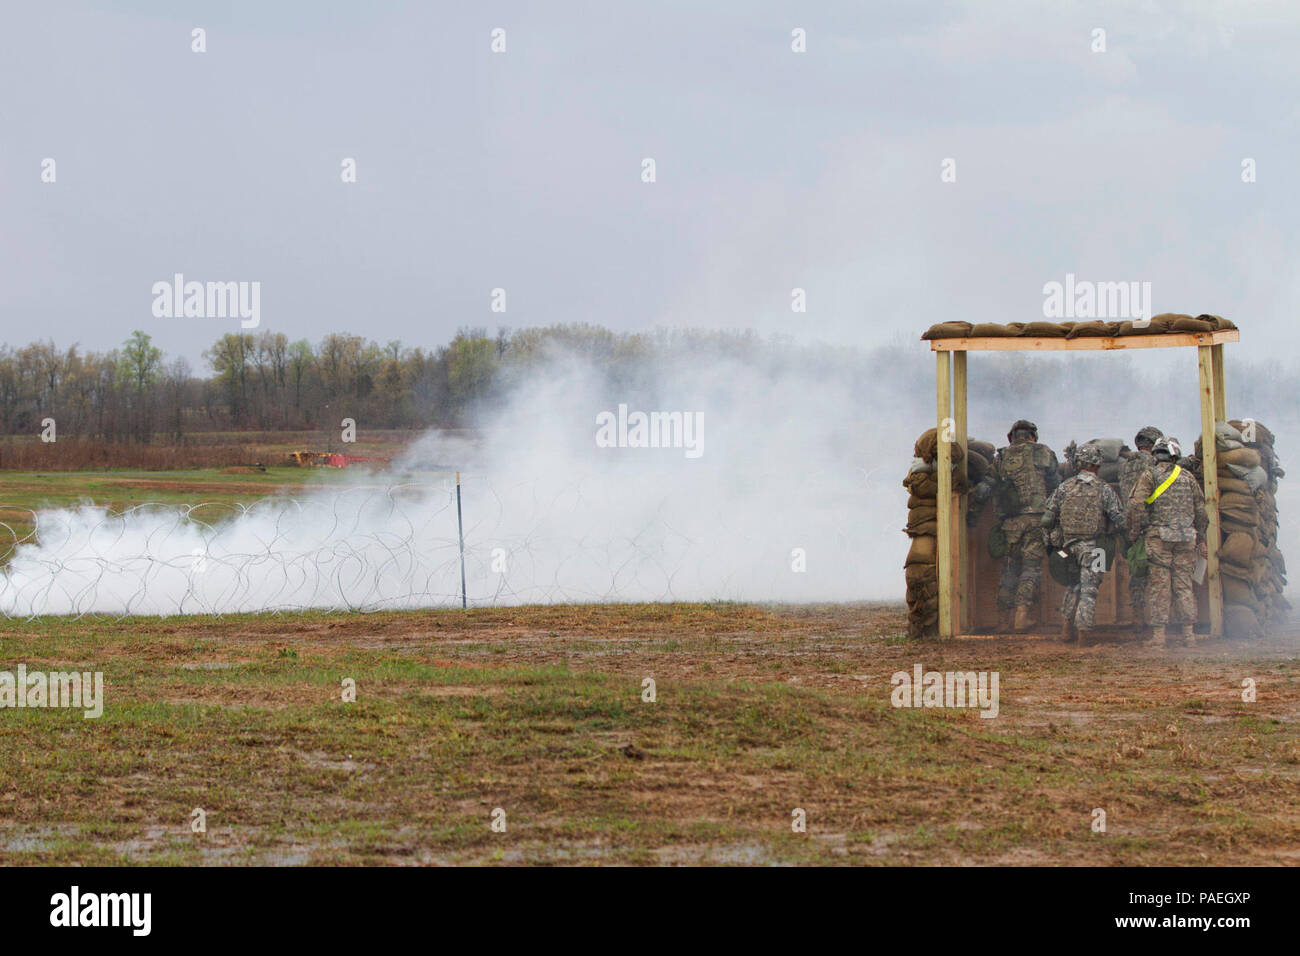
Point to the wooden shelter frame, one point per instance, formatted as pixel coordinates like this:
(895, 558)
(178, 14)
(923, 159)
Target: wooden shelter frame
(950, 378)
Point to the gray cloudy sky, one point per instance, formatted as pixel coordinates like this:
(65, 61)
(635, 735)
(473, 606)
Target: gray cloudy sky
(522, 170)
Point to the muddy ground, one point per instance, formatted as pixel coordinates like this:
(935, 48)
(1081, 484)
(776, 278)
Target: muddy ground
(537, 717)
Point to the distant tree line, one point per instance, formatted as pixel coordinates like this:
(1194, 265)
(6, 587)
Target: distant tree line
(264, 381)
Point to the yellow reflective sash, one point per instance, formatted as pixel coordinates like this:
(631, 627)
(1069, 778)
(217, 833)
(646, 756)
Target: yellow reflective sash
(1164, 485)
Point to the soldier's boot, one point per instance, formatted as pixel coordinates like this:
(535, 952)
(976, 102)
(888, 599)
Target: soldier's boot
(1157, 638)
(1004, 620)
(1021, 622)
(1189, 634)
(1068, 633)
(1085, 637)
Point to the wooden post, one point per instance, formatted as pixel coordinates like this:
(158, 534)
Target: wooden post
(961, 556)
(1220, 386)
(1210, 467)
(943, 504)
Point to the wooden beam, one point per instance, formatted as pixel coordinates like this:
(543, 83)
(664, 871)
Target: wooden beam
(1210, 466)
(943, 505)
(1020, 343)
(1220, 386)
(961, 557)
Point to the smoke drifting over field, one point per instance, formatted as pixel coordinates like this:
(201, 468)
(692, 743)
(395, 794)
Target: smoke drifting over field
(802, 453)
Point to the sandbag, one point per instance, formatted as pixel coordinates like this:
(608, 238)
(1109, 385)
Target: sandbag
(922, 552)
(1047, 330)
(984, 448)
(1226, 431)
(1110, 448)
(1188, 324)
(1262, 436)
(1237, 591)
(1239, 516)
(922, 484)
(926, 447)
(1241, 623)
(1237, 571)
(1238, 549)
(1254, 478)
(918, 575)
(948, 330)
(1236, 500)
(924, 512)
(922, 597)
(1243, 457)
(1218, 321)
(1156, 326)
(1260, 572)
(977, 466)
(1230, 482)
(992, 330)
(1092, 329)
(1230, 526)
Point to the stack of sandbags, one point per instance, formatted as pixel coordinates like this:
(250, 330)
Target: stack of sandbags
(1268, 566)
(1164, 323)
(1252, 568)
(921, 567)
(1113, 452)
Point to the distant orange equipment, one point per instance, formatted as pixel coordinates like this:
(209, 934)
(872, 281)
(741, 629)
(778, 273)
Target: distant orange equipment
(322, 459)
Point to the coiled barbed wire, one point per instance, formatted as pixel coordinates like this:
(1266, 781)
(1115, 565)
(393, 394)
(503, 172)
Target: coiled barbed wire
(375, 547)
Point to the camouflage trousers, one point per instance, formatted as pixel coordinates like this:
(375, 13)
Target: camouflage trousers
(1080, 602)
(1022, 568)
(1137, 597)
(1169, 580)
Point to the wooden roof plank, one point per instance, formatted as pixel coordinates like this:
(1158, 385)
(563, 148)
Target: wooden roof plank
(1100, 343)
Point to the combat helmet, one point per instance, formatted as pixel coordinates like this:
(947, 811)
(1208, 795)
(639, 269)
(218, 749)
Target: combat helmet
(1167, 449)
(1148, 433)
(1088, 455)
(1023, 425)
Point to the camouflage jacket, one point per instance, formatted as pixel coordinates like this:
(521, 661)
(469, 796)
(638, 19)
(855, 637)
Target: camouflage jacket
(1026, 473)
(1134, 466)
(1082, 508)
(1178, 514)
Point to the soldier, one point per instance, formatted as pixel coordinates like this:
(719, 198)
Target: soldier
(1170, 500)
(1140, 461)
(1026, 472)
(1078, 512)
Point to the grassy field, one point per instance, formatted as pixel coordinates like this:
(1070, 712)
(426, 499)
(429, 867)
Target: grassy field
(538, 711)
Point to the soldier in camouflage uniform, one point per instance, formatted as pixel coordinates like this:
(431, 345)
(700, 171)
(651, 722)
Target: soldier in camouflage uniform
(1134, 466)
(1078, 512)
(1170, 500)
(1025, 473)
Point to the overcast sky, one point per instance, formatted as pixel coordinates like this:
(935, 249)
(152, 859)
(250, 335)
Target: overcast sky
(523, 169)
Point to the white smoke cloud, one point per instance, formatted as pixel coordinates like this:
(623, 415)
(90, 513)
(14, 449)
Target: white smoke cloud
(802, 449)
